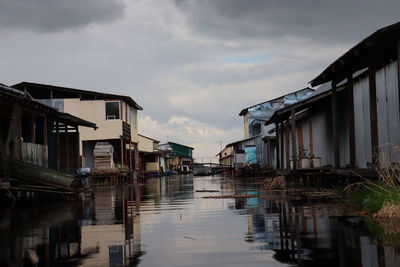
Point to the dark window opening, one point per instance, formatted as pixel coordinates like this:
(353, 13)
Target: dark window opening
(112, 110)
(26, 127)
(4, 129)
(39, 130)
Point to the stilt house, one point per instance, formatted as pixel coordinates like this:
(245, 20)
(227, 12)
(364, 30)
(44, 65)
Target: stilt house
(352, 121)
(115, 116)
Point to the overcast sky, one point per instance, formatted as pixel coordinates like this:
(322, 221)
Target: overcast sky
(192, 65)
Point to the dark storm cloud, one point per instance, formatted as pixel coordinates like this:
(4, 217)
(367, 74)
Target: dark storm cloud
(57, 15)
(340, 20)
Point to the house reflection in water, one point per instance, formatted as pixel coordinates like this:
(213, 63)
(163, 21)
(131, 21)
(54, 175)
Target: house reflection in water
(315, 236)
(103, 231)
(115, 229)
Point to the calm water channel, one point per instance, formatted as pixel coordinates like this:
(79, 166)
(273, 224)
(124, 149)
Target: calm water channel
(174, 226)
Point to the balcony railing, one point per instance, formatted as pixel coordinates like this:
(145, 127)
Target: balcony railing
(126, 131)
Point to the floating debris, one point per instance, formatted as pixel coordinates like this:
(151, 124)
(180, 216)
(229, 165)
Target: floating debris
(232, 196)
(189, 237)
(206, 191)
(278, 182)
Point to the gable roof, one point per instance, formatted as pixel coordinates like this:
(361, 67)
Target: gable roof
(41, 91)
(178, 145)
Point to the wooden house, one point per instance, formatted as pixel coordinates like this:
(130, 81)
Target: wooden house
(35, 137)
(179, 156)
(150, 155)
(115, 116)
(225, 156)
(352, 120)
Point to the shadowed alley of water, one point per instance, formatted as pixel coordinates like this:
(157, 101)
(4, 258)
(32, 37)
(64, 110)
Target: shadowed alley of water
(165, 222)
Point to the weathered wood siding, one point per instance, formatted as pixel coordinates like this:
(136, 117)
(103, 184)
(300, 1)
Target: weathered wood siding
(35, 154)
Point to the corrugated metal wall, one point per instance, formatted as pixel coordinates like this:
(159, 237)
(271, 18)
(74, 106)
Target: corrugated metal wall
(387, 89)
(387, 92)
(322, 135)
(362, 122)
(343, 131)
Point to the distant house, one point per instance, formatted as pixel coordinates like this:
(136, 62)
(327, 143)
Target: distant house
(178, 155)
(354, 115)
(254, 118)
(115, 116)
(149, 154)
(225, 156)
(38, 134)
(240, 153)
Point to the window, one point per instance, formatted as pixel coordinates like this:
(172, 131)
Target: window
(129, 115)
(112, 111)
(134, 119)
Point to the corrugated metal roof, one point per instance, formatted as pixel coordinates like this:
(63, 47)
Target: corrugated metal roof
(244, 111)
(16, 95)
(37, 86)
(354, 59)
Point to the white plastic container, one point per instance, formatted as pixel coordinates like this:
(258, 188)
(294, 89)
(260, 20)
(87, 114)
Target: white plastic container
(316, 162)
(305, 163)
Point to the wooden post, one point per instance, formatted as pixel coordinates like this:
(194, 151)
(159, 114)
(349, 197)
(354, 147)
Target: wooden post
(300, 138)
(398, 69)
(45, 137)
(78, 157)
(33, 135)
(269, 162)
(67, 147)
(282, 131)
(310, 134)
(350, 121)
(130, 155)
(122, 152)
(335, 126)
(373, 115)
(277, 145)
(294, 150)
(58, 145)
(126, 154)
(287, 143)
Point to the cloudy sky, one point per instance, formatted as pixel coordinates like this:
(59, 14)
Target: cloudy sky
(192, 65)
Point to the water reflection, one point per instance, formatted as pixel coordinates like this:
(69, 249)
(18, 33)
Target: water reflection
(165, 222)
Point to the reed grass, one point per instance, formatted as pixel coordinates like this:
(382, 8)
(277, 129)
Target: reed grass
(383, 194)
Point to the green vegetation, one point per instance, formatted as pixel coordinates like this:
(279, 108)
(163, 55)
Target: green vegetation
(382, 197)
(373, 196)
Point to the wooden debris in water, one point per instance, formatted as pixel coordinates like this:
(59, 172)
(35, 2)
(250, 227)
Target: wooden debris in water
(232, 196)
(206, 190)
(32, 256)
(277, 182)
(189, 237)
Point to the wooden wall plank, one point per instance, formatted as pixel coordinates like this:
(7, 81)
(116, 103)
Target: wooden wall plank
(293, 135)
